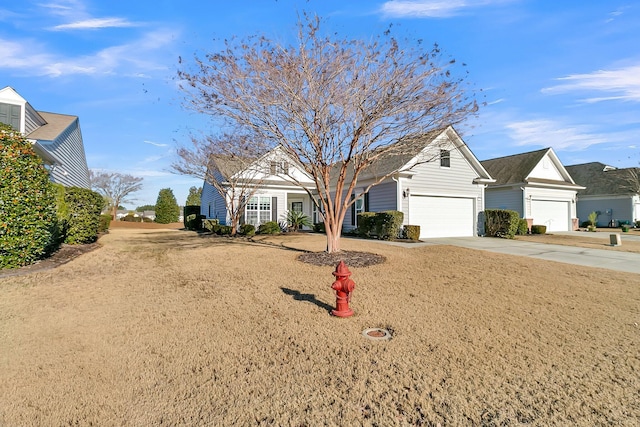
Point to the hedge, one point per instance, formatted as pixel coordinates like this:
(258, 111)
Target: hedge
(28, 221)
(83, 223)
(501, 223)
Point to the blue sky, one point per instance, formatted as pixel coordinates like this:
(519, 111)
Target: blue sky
(561, 74)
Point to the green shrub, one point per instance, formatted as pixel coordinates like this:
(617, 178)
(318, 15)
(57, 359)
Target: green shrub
(638, 223)
(319, 227)
(211, 224)
(105, 223)
(366, 224)
(270, 227)
(501, 223)
(193, 222)
(84, 207)
(523, 227)
(388, 224)
(593, 218)
(131, 218)
(625, 228)
(28, 220)
(247, 230)
(538, 229)
(223, 230)
(411, 232)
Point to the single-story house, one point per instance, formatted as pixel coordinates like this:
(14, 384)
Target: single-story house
(537, 186)
(613, 193)
(56, 138)
(440, 188)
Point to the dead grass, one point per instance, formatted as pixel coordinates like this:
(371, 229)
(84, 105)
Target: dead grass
(587, 240)
(170, 327)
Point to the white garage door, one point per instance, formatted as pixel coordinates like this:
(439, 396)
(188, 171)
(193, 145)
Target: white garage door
(442, 216)
(553, 214)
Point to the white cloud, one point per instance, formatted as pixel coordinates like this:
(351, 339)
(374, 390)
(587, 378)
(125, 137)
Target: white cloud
(621, 84)
(157, 144)
(549, 133)
(431, 8)
(89, 24)
(136, 58)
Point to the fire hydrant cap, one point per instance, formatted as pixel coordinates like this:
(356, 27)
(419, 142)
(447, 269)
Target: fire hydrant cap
(341, 270)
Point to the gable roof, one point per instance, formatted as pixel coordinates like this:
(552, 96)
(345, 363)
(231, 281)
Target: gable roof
(410, 152)
(517, 168)
(601, 179)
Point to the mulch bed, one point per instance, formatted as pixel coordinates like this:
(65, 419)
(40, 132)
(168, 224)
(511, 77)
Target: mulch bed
(351, 258)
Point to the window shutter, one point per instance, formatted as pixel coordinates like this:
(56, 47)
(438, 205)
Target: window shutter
(274, 209)
(353, 211)
(366, 202)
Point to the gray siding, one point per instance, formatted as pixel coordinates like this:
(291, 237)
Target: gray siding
(382, 197)
(32, 120)
(69, 149)
(457, 180)
(212, 204)
(504, 198)
(622, 210)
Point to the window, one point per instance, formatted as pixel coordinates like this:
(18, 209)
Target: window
(296, 207)
(10, 115)
(277, 168)
(258, 210)
(445, 158)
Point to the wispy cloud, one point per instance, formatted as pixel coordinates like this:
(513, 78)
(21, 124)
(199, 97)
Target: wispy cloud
(157, 144)
(620, 84)
(132, 59)
(95, 23)
(549, 133)
(431, 8)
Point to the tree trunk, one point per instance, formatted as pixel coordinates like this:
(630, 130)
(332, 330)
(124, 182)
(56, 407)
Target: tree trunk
(333, 237)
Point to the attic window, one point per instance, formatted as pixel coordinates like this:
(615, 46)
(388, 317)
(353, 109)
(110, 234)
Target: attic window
(279, 168)
(445, 158)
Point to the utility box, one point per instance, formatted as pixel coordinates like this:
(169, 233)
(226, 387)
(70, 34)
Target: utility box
(615, 239)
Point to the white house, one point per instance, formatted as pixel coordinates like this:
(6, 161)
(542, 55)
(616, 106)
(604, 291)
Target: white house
(613, 193)
(440, 188)
(537, 186)
(56, 138)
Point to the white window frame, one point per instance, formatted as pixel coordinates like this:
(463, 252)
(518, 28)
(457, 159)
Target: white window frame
(258, 210)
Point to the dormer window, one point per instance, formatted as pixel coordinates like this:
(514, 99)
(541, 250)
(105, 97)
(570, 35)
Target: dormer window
(10, 115)
(279, 168)
(445, 158)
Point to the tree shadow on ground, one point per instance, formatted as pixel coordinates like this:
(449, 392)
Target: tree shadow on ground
(308, 298)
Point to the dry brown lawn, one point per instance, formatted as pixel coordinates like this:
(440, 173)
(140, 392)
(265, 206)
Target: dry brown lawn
(166, 327)
(598, 240)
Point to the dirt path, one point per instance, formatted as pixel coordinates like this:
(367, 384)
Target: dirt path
(167, 327)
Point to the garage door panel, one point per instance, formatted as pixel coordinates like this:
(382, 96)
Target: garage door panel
(554, 214)
(442, 216)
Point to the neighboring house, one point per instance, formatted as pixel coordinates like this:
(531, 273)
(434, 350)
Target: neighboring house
(537, 186)
(272, 195)
(56, 138)
(440, 188)
(614, 194)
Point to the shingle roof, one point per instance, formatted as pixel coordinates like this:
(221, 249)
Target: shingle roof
(56, 124)
(599, 179)
(513, 169)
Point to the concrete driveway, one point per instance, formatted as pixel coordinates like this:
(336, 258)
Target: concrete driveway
(602, 258)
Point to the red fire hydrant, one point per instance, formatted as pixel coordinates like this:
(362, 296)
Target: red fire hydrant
(343, 287)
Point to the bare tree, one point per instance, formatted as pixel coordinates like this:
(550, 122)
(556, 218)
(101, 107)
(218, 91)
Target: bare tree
(335, 105)
(114, 187)
(229, 164)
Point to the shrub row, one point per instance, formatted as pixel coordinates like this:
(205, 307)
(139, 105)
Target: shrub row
(384, 225)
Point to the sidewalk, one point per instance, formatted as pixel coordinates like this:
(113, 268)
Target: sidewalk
(600, 258)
